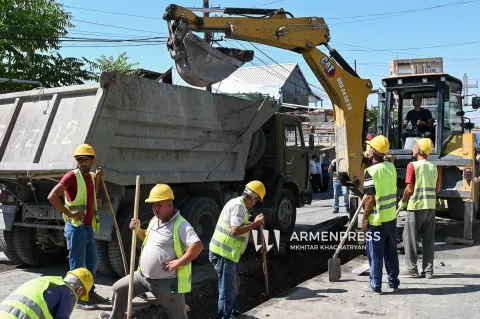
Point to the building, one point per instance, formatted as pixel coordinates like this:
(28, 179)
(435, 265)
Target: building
(416, 66)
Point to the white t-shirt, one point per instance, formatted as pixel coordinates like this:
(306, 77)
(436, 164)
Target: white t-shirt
(233, 214)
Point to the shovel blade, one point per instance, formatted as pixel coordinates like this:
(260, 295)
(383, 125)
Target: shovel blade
(334, 269)
(204, 65)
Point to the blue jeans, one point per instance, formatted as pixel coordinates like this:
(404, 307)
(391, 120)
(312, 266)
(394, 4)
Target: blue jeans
(383, 246)
(337, 189)
(228, 285)
(82, 247)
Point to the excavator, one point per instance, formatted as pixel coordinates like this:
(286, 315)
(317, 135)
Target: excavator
(201, 64)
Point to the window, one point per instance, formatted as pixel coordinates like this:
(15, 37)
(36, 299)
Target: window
(292, 135)
(453, 104)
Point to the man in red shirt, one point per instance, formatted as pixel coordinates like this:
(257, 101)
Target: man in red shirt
(80, 214)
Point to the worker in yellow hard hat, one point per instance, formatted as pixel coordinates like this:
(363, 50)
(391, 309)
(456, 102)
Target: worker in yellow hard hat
(379, 218)
(80, 213)
(165, 269)
(420, 200)
(52, 296)
(229, 241)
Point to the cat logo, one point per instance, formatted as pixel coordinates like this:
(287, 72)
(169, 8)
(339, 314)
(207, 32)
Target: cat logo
(327, 65)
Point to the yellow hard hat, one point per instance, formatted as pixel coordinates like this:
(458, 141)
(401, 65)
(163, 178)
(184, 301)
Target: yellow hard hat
(258, 188)
(85, 277)
(425, 145)
(380, 143)
(160, 192)
(84, 150)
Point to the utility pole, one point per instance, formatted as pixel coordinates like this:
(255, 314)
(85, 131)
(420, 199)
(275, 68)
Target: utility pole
(355, 62)
(208, 36)
(467, 86)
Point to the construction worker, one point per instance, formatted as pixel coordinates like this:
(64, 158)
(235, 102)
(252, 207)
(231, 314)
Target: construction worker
(165, 269)
(338, 189)
(419, 198)
(231, 236)
(48, 296)
(79, 211)
(379, 218)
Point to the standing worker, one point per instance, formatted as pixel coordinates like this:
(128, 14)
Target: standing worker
(313, 174)
(420, 194)
(380, 216)
(80, 188)
(231, 236)
(337, 188)
(169, 246)
(48, 296)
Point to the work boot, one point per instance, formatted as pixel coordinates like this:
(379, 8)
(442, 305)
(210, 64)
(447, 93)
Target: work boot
(409, 274)
(427, 275)
(103, 315)
(96, 298)
(335, 210)
(86, 306)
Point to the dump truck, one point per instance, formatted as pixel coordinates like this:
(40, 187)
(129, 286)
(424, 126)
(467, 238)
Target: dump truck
(205, 146)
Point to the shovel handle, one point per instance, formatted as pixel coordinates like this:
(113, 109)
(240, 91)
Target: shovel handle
(132, 253)
(264, 256)
(349, 228)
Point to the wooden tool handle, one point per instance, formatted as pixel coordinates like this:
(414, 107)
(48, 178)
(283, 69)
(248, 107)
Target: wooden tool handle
(264, 256)
(133, 251)
(349, 228)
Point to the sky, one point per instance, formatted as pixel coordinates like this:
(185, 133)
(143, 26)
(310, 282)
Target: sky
(371, 32)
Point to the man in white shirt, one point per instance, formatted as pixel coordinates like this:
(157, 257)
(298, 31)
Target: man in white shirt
(313, 173)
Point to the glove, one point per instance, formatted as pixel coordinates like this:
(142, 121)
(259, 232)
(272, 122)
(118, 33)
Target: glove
(402, 205)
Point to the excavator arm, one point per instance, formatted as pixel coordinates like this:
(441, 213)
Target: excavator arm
(200, 64)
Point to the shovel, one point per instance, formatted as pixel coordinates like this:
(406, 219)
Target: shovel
(133, 251)
(265, 269)
(334, 264)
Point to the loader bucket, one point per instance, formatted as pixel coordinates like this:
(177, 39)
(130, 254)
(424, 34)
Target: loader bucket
(205, 65)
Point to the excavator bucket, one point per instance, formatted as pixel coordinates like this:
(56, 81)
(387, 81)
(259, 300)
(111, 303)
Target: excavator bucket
(200, 64)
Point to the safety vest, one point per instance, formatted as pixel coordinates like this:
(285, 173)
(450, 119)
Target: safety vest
(223, 243)
(384, 177)
(425, 189)
(80, 202)
(27, 301)
(184, 273)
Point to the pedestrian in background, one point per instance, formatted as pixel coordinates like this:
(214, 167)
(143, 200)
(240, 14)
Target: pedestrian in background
(338, 189)
(313, 172)
(318, 176)
(325, 175)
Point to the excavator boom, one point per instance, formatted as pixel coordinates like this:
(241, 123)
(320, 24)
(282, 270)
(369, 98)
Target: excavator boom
(200, 64)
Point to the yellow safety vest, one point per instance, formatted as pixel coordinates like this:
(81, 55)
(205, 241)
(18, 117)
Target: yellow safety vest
(425, 190)
(184, 273)
(27, 301)
(223, 243)
(80, 202)
(384, 177)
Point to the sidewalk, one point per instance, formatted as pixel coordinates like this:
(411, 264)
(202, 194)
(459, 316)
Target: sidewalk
(452, 293)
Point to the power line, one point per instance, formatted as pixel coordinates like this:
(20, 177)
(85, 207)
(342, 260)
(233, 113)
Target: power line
(115, 13)
(419, 48)
(113, 26)
(111, 46)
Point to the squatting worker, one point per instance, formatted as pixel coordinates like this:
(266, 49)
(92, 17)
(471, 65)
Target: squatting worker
(79, 211)
(231, 236)
(169, 246)
(422, 185)
(380, 187)
(48, 296)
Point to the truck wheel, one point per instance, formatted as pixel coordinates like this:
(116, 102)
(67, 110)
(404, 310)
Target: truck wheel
(6, 244)
(34, 253)
(286, 212)
(202, 213)
(114, 252)
(257, 148)
(104, 265)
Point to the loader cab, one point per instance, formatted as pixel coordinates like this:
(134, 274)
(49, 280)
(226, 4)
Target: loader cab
(434, 99)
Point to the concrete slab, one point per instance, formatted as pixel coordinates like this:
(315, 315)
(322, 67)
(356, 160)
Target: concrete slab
(452, 293)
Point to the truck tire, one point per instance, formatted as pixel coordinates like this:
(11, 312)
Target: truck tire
(257, 148)
(202, 213)
(114, 252)
(286, 212)
(6, 244)
(104, 265)
(24, 241)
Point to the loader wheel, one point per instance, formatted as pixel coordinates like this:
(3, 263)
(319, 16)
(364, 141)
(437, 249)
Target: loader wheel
(34, 250)
(286, 212)
(104, 265)
(6, 244)
(114, 253)
(202, 213)
(257, 148)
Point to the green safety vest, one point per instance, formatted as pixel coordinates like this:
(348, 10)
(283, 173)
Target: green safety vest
(425, 190)
(384, 177)
(27, 302)
(80, 202)
(184, 273)
(223, 243)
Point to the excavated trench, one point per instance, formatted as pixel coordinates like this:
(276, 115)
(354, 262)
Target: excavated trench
(285, 271)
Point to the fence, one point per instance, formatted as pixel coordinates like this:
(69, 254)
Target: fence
(318, 138)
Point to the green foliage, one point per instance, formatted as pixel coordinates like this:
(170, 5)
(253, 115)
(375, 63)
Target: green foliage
(372, 116)
(118, 65)
(31, 33)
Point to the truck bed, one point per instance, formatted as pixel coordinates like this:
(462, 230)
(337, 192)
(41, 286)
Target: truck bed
(162, 132)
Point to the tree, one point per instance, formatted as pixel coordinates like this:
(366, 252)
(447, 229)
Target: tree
(372, 116)
(30, 35)
(118, 65)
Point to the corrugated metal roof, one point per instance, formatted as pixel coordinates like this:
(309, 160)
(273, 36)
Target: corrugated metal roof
(276, 74)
